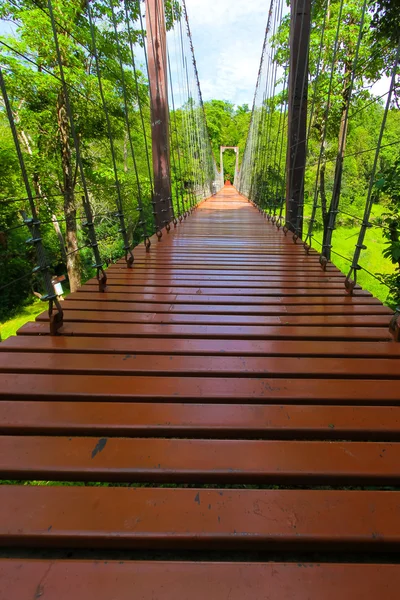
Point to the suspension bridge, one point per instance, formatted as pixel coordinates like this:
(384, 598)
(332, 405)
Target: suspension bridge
(216, 413)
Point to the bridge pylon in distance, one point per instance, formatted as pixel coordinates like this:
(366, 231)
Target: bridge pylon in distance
(222, 150)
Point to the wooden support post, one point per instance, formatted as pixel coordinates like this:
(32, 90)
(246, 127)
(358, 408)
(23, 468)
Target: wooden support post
(236, 166)
(221, 164)
(297, 112)
(222, 150)
(157, 64)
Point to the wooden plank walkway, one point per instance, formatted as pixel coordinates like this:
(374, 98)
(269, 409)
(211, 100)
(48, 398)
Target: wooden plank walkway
(227, 365)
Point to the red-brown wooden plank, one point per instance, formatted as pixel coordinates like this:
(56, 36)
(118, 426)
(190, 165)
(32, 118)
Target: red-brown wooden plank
(201, 461)
(209, 299)
(203, 309)
(201, 347)
(105, 419)
(233, 332)
(277, 273)
(134, 277)
(78, 316)
(117, 517)
(207, 389)
(229, 286)
(139, 364)
(265, 292)
(106, 580)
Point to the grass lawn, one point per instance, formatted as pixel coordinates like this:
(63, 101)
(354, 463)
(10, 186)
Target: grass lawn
(344, 240)
(29, 313)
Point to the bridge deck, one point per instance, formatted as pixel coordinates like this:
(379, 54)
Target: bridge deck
(229, 366)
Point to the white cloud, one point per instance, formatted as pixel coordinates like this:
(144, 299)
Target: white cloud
(218, 13)
(227, 39)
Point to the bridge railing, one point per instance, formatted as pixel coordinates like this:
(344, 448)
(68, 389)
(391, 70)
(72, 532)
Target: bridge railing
(78, 133)
(348, 199)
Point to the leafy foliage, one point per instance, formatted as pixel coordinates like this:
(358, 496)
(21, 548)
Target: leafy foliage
(227, 126)
(389, 186)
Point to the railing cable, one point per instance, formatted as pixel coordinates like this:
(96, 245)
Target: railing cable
(98, 265)
(120, 214)
(33, 223)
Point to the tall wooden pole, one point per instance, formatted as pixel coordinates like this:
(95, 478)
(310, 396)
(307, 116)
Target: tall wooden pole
(157, 65)
(221, 163)
(300, 21)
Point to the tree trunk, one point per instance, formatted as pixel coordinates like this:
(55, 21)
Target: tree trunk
(342, 141)
(40, 194)
(324, 202)
(71, 239)
(126, 152)
(59, 234)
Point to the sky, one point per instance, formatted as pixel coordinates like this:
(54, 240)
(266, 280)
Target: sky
(227, 39)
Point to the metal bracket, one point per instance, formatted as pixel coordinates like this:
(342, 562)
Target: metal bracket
(323, 261)
(56, 319)
(101, 278)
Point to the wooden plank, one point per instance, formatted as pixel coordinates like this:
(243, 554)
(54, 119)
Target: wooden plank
(254, 269)
(139, 364)
(265, 292)
(129, 388)
(200, 347)
(228, 279)
(110, 419)
(159, 460)
(202, 309)
(229, 284)
(209, 299)
(276, 273)
(118, 517)
(204, 271)
(77, 316)
(105, 579)
(234, 332)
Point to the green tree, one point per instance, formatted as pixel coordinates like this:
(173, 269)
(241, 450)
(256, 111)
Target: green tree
(40, 106)
(227, 126)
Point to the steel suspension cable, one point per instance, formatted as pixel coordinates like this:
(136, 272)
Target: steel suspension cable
(165, 68)
(161, 200)
(182, 86)
(317, 190)
(334, 205)
(120, 214)
(201, 124)
(98, 265)
(279, 144)
(309, 235)
(153, 202)
(187, 112)
(248, 159)
(351, 278)
(265, 165)
(175, 162)
(142, 221)
(33, 222)
(297, 225)
(135, 75)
